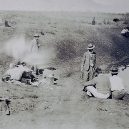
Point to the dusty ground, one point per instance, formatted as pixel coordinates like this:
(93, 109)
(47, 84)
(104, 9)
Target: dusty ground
(64, 105)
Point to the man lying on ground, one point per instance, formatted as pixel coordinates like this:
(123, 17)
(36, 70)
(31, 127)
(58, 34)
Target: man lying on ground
(98, 87)
(18, 73)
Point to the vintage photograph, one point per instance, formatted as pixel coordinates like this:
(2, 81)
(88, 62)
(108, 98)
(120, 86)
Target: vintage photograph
(64, 64)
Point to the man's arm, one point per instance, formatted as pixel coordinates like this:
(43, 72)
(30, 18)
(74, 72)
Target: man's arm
(89, 83)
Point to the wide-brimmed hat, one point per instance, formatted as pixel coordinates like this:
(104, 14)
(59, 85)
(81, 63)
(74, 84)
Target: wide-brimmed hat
(36, 35)
(90, 46)
(114, 70)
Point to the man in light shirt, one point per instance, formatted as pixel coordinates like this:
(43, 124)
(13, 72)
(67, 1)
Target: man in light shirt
(98, 87)
(117, 85)
(35, 44)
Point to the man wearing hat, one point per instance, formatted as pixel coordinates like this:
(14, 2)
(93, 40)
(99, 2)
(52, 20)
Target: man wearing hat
(88, 64)
(117, 85)
(35, 43)
(98, 87)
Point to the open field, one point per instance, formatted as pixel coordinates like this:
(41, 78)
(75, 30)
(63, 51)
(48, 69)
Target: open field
(64, 105)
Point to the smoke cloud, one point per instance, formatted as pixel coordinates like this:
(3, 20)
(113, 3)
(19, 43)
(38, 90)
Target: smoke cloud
(20, 50)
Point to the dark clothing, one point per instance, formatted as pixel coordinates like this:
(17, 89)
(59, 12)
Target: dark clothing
(28, 77)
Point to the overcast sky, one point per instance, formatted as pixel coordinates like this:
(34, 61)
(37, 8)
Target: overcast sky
(116, 6)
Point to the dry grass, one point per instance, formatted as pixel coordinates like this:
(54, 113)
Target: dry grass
(64, 105)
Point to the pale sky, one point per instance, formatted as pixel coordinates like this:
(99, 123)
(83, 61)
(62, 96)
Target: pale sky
(116, 6)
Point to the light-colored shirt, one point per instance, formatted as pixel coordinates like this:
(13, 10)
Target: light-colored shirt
(116, 83)
(16, 72)
(34, 45)
(101, 83)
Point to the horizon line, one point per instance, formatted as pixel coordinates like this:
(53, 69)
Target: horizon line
(67, 11)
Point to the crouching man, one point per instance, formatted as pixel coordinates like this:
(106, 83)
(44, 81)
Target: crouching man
(98, 87)
(29, 78)
(117, 85)
(18, 74)
(7, 105)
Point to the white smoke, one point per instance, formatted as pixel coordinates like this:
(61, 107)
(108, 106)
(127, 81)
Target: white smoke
(20, 50)
(16, 47)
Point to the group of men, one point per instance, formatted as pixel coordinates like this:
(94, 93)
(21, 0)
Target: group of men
(100, 85)
(20, 72)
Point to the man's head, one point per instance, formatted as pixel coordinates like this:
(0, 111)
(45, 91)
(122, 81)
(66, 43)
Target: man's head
(97, 71)
(101, 70)
(39, 71)
(114, 70)
(91, 47)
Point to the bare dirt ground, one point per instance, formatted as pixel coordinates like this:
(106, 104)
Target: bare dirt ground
(64, 105)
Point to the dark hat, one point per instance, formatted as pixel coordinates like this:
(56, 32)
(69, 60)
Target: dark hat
(114, 70)
(90, 46)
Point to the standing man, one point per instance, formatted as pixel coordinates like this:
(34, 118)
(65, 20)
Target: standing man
(117, 85)
(88, 64)
(35, 43)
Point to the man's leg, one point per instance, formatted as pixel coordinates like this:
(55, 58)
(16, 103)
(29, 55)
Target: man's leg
(91, 73)
(86, 76)
(96, 94)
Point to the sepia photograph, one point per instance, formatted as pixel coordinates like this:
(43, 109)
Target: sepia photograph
(64, 64)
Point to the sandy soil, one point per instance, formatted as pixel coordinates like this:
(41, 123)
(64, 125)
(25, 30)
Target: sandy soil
(64, 106)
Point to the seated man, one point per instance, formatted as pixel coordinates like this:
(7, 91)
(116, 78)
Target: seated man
(98, 87)
(117, 85)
